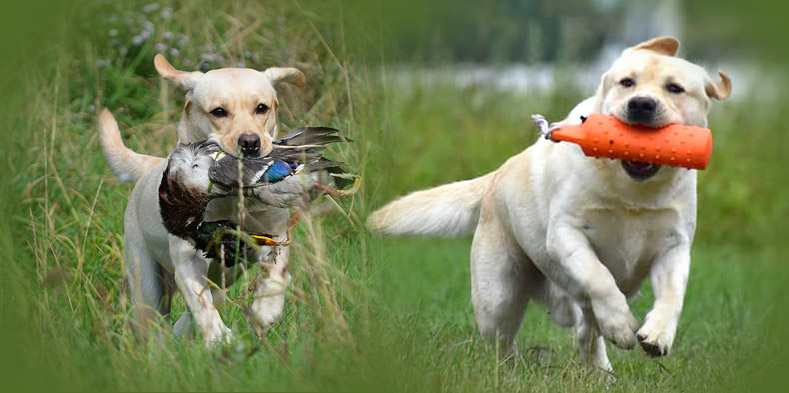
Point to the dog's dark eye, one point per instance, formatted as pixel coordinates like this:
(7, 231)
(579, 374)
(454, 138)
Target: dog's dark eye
(219, 112)
(261, 109)
(627, 82)
(675, 88)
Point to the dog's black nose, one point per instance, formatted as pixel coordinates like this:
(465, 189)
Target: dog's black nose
(249, 144)
(641, 109)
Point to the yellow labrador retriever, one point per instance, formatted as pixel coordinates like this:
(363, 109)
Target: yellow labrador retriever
(576, 233)
(236, 108)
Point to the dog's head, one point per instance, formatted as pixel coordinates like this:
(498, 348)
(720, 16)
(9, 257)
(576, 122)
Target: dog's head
(234, 107)
(648, 86)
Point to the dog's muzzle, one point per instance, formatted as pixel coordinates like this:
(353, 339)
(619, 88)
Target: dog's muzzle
(641, 110)
(249, 144)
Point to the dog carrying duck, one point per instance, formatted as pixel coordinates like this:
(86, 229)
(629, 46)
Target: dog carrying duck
(226, 189)
(292, 175)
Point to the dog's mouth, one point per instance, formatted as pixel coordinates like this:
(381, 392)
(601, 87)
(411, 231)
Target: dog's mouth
(640, 171)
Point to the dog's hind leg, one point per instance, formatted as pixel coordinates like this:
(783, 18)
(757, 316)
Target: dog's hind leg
(498, 283)
(151, 295)
(184, 327)
(592, 344)
(564, 310)
(567, 313)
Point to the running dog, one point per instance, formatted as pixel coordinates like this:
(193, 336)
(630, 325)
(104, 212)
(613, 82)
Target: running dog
(237, 109)
(576, 233)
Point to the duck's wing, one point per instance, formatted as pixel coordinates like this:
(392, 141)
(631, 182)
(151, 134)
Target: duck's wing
(311, 136)
(293, 191)
(294, 173)
(310, 159)
(227, 171)
(321, 163)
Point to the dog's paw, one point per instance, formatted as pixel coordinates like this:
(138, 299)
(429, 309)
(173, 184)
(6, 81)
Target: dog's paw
(606, 376)
(621, 335)
(220, 335)
(616, 323)
(656, 336)
(262, 323)
(228, 336)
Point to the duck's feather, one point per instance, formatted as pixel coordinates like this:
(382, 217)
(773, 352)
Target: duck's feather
(280, 163)
(287, 177)
(279, 170)
(311, 136)
(227, 171)
(183, 191)
(217, 240)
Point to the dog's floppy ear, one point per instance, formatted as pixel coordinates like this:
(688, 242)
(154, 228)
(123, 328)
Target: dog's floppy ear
(663, 45)
(184, 79)
(719, 90)
(285, 74)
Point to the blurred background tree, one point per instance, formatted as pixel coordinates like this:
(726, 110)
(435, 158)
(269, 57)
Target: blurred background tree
(543, 31)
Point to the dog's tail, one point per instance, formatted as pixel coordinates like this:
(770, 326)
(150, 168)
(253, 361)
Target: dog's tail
(124, 163)
(448, 210)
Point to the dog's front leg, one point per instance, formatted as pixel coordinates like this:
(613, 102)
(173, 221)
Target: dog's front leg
(577, 269)
(669, 276)
(191, 270)
(269, 297)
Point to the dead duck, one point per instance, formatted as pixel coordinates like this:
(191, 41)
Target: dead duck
(292, 175)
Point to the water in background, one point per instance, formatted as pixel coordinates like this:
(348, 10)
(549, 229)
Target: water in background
(637, 21)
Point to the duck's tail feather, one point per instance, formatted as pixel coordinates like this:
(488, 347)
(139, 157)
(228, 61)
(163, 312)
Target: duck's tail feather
(311, 136)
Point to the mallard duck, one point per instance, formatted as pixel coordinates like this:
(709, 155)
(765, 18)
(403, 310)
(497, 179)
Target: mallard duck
(293, 174)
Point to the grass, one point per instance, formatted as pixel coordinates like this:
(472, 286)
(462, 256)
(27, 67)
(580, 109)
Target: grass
(363, 313)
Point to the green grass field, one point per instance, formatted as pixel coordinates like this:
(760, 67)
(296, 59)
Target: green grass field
(363, 313)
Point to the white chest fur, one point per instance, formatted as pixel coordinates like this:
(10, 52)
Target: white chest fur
(627, 240)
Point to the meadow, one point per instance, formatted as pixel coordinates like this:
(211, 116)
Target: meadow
(362, 313)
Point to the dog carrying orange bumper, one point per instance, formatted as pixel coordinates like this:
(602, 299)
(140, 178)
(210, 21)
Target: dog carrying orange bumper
(606, 136)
